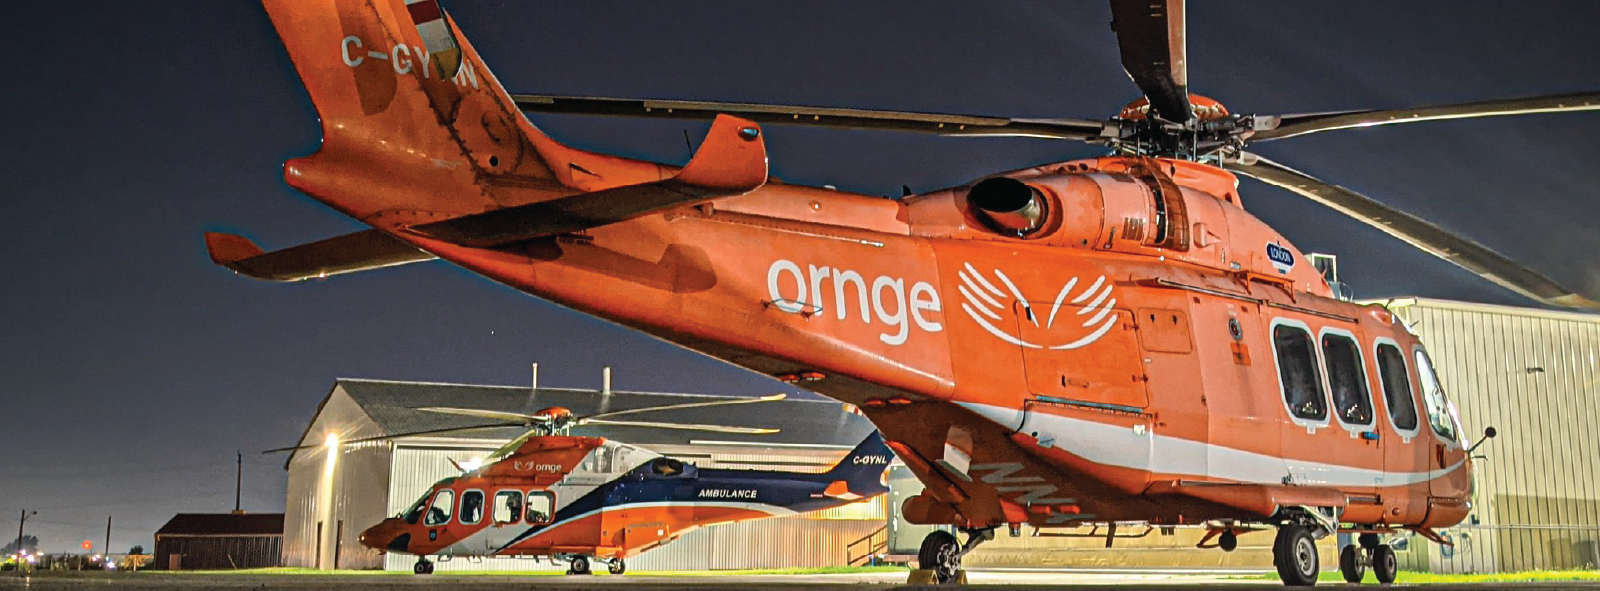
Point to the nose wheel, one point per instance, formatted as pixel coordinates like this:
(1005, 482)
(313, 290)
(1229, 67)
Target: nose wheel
(1353, 560)
(423, 566)
(941, 553)
(616, 566)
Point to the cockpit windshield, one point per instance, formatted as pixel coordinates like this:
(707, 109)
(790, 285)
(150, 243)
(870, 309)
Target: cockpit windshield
(415, 512)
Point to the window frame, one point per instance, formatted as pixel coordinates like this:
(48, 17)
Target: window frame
(1316, 359)
(1366, 383)
(1406, 435)
(1444, 398)
(495, 506)
(481, 506)
(527, 504)
(427, 516)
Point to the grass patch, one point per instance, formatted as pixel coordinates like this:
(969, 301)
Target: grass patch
(1421, 578)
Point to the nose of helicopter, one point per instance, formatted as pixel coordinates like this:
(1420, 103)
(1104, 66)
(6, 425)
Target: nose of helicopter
(389, 534)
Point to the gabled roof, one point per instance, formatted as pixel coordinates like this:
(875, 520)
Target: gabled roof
(393, 406)
(223, 524)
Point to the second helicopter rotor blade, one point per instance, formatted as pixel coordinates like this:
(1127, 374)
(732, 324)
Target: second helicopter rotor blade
(719, 402)
(1284, 126)
(485, 414)
(441, 431)
(1462, 251)
(936, 123)
(1151, 36)
(683, 426)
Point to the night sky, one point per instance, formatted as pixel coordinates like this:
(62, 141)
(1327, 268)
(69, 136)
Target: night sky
(131, 368)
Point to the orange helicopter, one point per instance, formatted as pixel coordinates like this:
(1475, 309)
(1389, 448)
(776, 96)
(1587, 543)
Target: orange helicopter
(1099, 341)
(578, 499)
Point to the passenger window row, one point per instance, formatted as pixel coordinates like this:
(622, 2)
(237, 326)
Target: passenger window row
(508, 507)
(1300, 375)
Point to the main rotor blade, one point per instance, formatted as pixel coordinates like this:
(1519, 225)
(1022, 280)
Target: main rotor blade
(399, 435)
(1293, 125)
(682, 426)
(1151, 35)
(485, 414)
(1420, 233)
(725, 402)
(963, 125)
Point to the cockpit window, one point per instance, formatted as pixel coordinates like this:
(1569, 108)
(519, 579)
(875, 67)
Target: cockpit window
(415, 512)
(1439, 410)
(666, 467)
(443, 503)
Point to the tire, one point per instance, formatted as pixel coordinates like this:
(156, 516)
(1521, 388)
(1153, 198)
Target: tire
(940, 554)
(422, 567)
(1228, 541)
(1295, 555)
(578, 565)
(1350, 564)
(1385, 565)
(616, 567)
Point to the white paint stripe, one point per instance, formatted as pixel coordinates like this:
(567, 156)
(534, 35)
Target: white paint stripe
(1103, 311)
(1056, 307)
(995, 331)
(968, 294)
(985, 282)
(986, 297)
(1090, 290)
(772, 510)
(1097, 299)
(1018, 293)
(1167, 456)
(1091, 337)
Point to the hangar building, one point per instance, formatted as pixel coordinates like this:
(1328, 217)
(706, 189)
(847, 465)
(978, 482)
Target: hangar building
(333, 497)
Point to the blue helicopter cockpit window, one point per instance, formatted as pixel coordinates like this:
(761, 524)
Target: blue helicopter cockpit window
(666, 467)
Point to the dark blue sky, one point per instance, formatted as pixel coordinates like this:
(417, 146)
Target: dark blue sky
(131, 368)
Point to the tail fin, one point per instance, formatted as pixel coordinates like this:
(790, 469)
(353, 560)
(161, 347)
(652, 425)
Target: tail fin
(407, 105)
(860, 473)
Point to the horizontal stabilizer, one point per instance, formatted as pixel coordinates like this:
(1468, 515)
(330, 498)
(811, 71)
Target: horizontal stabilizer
(369, 249)
(732, 161)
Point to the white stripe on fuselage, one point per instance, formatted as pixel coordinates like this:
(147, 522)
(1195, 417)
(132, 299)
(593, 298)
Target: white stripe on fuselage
(474, 545)
(1122, 447)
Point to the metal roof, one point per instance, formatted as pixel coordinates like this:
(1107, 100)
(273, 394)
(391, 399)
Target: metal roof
(393, 406)
(223, 524)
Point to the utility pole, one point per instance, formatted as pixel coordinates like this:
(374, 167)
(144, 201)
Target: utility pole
(20, 525)
(238, 481)
(107, 550)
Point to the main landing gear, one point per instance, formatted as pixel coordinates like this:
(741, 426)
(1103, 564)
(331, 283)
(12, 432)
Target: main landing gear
(941, 552)
(578, 564)
(1353, 560)
(423, 566)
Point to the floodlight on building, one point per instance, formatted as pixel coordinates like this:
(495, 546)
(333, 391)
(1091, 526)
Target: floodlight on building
(472, 464)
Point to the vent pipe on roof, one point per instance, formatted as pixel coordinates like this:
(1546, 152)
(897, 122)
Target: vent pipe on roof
(605, 380)
(534, 383)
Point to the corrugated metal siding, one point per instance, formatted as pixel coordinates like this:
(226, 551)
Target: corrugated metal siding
(352, 495)
(1534, 376)
(217, 552)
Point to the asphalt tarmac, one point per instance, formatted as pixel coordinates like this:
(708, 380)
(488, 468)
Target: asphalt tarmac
(1011, 580)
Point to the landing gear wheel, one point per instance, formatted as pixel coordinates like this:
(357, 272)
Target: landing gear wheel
(578, 565)
(1227, 541)
(940, 553)
(1385, 565)
(1295, 555)
(616, 566)
(1351, 565)
(422, 567)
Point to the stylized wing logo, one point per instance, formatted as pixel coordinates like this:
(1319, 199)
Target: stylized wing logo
(985, 303)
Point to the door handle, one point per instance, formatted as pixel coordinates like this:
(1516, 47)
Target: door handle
(1438, 452)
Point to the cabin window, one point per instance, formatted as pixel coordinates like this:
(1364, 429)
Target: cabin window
(508, 506)
(541, 506)
(1298, 372)
(444, 502)
(1397, 387)
(1433, 398)
(471, 507)
(1347, 379)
